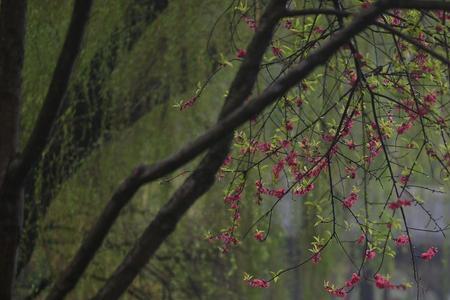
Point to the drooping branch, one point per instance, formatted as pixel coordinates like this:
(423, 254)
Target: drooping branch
(421, 4)
(316, 11)
(198, 183)
(414, 42)
(55, 94)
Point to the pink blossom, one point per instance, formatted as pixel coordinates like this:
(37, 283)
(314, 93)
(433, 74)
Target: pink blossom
(188, 103)
(353, 281)
(429, 254)
(399, 203)
(227, 160)
(404, 127)
(289, 126)
(319, 30)
(350, 172)
(258, 283)
(430, 99)
(350, 200)
(370, 254)
(277, 168)
(304, 190)
(361, 239)
(241, 53)
(259, 235)
(404, 179)
(350, 144)
(382, 282)
(340, 293)
(288, 24)
(277, 193)
(277, 51)
(401, 240)
(251, 23)
(316, 258)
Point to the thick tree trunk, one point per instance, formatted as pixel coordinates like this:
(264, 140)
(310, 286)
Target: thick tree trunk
(12, 32)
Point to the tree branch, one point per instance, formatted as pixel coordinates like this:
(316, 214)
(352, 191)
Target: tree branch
(55, 94)
(420, 4)
(413, 42)
(315, 11)
(404, 4)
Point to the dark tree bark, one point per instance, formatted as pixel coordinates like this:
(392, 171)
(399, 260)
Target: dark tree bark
(12, 33)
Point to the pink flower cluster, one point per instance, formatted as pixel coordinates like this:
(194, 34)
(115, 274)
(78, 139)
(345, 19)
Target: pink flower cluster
(399, 203)
(370, 254)
(353, 281)
(340, 293)
(258, 283)
(316, 258)
(304, 190)
(382, 282)
(259, 235)
(350, 200)
(188, 103)
(251, 23)
(401, 240)
(241, 53)
(227, 239)
(429, 254)
(277, 193)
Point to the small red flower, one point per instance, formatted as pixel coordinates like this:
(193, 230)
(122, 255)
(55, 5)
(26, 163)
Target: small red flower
(316, 258)
(399, 203)
(350, 172)
(350, 144)
(251, 23)
(429, 254)
(361, 239)
(353, 281)
(277, 51)
(404, 127)
(258, 283)
(259, 235)
(289, 126)
(350, 200)
(430, 99)
(188, 103)
(340, 293)
(288, 24)
(370, 254)
(401, 240)
(241, 53)
(227, 160)
(319, 30)
(404, 179)
(382, 282)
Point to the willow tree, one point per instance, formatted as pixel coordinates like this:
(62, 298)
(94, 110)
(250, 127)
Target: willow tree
(388, 89)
